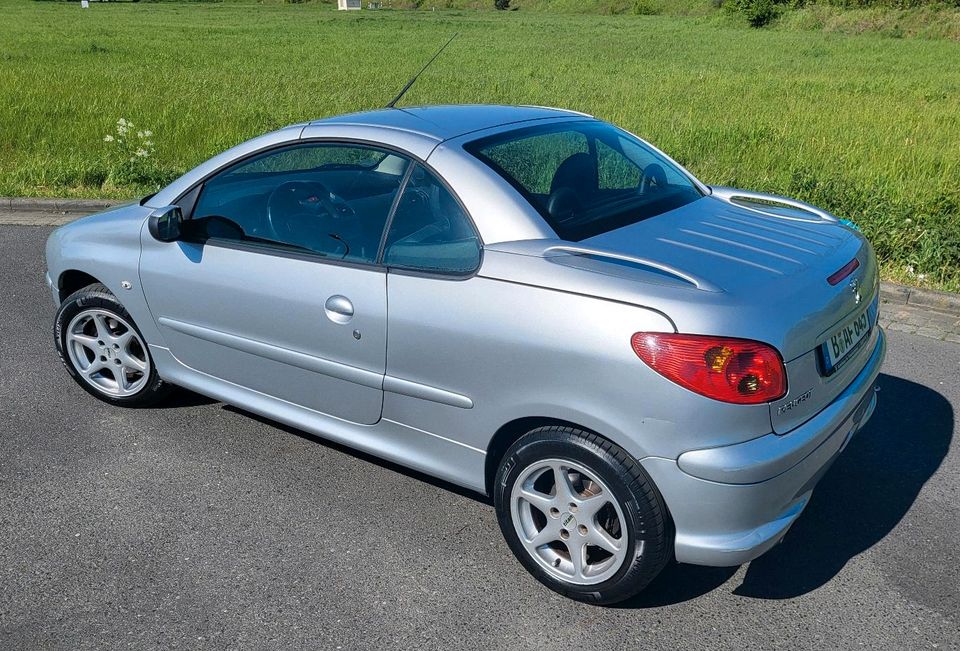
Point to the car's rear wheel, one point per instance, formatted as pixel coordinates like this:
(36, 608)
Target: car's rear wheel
(581, 515)
(102, 349)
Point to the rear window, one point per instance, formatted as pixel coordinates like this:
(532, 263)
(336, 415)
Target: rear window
(586, 178)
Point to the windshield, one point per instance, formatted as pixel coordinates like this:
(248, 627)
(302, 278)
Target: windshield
(586, 178)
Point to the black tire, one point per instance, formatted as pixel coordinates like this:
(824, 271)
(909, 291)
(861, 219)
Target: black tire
(97, 296)
(647, 528)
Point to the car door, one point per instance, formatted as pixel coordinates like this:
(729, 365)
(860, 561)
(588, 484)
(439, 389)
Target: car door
(274, 284)
(432, 252)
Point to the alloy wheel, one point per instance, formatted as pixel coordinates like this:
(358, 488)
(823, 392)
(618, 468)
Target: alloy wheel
(569, 521)
(107, 353)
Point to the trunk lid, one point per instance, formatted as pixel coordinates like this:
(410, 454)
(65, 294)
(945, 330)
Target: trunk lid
(736, 248)
(764, 273)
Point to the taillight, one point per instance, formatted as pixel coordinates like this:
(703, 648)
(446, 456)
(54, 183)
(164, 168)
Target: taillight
(732, 370)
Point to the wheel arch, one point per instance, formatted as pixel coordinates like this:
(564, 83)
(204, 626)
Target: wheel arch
(71, 280)
(510, 432)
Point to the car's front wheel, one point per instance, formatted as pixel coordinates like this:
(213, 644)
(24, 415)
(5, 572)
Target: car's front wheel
(581, 515)
(102, 349)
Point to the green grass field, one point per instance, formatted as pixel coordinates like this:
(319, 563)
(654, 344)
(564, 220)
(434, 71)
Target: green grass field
(867, 126)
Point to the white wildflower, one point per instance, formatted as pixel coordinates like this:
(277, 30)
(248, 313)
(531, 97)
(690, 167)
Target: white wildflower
(921, 276)
(910, 269)
(140, 134)
(142, 153)
(147, 134)
(108, 138)
(908, 220)
(121, 122)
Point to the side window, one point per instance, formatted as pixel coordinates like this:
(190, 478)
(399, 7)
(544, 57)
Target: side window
(430, 231)
(327, 199)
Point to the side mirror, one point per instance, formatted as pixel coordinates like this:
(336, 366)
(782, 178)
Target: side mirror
(164, 223)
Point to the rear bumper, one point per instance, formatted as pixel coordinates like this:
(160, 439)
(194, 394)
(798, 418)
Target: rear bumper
(731, 504)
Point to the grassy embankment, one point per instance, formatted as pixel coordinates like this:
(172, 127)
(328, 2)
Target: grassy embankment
(866, 126)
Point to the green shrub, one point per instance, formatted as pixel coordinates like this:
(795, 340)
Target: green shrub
(645, 8)
(757, 12)
(761, 12)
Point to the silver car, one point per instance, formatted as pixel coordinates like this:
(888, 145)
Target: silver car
(527, 302)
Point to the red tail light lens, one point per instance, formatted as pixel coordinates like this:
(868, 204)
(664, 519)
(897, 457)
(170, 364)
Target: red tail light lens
(731, 370)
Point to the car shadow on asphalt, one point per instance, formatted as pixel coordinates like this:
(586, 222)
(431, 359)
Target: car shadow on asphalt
(359, 454)
(866, 493)
(184, 398)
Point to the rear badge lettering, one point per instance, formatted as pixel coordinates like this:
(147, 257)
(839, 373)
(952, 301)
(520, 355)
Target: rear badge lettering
(793, 404)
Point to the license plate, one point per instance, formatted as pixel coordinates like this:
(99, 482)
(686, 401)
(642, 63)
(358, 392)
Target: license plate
(845, 339)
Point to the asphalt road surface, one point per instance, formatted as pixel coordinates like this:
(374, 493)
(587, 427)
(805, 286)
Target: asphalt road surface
(199, 526)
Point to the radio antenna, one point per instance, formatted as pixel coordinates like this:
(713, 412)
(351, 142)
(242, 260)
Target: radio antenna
(413, 79)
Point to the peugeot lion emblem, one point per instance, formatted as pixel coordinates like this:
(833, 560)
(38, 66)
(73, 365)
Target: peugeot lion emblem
(855, 288)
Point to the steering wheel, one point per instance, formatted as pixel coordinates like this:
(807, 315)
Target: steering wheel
(296, 204)
(654, 178)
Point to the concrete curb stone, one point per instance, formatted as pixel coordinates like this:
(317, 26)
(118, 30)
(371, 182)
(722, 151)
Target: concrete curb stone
(80, 206)
(944, 302)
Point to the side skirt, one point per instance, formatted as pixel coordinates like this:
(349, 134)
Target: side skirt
(417, 449)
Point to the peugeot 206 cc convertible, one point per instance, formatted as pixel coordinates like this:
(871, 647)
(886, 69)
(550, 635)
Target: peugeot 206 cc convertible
(527, 302)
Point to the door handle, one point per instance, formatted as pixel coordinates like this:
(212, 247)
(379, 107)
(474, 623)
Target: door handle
(339, 309)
